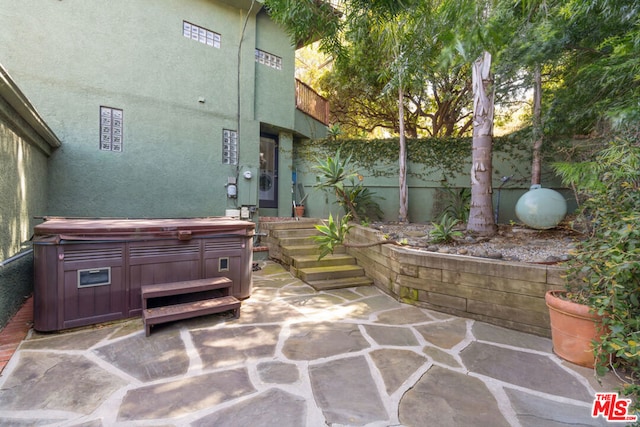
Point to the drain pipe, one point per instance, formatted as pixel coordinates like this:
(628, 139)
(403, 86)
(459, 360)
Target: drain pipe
(244, 27)
(15, 257)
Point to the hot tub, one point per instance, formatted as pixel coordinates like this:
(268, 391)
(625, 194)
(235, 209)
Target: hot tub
(89, 271)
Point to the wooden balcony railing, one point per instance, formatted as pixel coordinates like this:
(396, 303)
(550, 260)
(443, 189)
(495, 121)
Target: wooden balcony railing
(308, 101)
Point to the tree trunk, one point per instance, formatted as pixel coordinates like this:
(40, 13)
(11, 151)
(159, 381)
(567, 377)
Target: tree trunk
(536, 163)
(403, 215)
(481, 218)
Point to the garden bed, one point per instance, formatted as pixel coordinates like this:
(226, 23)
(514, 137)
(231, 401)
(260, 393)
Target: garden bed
(504, 293)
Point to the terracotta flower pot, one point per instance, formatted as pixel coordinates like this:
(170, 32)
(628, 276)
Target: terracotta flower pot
(573, 328)
(299, 211)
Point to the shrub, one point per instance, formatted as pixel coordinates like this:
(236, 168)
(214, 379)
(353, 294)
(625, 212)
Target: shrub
(606, 271)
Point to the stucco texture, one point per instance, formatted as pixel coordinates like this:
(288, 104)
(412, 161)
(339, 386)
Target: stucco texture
(22, 190)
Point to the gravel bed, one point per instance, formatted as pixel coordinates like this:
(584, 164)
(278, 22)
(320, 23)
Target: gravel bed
(511, 243)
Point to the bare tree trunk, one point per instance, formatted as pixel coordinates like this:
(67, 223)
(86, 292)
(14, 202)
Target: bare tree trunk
(403, 215)
(536, 163)
(481, 218)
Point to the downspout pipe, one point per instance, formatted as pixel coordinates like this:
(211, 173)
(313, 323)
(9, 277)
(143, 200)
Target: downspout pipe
(15, 257)
(244, 27)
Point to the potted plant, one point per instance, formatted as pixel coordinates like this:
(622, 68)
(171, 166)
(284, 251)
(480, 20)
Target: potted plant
(605, 275)
(298, 208)
(575, 327)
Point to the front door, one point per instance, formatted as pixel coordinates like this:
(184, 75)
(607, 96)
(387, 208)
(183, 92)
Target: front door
(268, 171)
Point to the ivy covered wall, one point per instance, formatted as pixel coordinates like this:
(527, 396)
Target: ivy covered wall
(433, 166)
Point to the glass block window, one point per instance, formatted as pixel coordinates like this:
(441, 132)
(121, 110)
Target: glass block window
(202, 35)
(111, 125)
(229, 147)
(268, 59)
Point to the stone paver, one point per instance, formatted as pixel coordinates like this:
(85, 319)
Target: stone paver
(310, 341)
(138, 356)
(441, 357)
(346, 392)
(184, 396)
(534, 411)
(397, 366)
(258, 412)
(297, 357)
(235, 346)
(278, 372)
(447, 398)
(392, 336)
(60, 382)
(404, 316)
(444, 334)
(516, 367)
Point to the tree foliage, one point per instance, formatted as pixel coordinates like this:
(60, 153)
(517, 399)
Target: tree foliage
(589, 51)
(606, 272)
(377, 54)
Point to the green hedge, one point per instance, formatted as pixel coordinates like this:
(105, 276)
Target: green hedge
(435, 153)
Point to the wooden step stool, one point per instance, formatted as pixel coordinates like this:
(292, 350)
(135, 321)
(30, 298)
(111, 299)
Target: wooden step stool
(200, 307)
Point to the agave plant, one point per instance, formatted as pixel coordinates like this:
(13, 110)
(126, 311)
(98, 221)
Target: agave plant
(356, 200)
(333, 234)
(444, 231)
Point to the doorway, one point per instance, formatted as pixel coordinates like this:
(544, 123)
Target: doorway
(268, 183)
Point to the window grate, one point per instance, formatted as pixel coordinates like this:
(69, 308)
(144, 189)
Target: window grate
(202, 35)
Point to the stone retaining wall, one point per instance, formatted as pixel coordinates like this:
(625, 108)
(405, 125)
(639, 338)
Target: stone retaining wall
(503, 293)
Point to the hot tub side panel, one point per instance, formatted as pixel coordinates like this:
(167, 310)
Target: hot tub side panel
(231, 258)
(94, 283)
(47, 295)
(79, 283)
(164, 261)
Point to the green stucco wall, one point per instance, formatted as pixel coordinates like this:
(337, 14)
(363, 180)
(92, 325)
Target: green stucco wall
(177, 96)
(22, 187)
(426, 185)
(23, 164)
(275, 87)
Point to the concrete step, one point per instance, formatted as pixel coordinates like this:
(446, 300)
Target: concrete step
(297, 241)
(347, 282)
(296, 247)
(303, 250)
(307, 223)
(295, 232)
(308, 261)
(330, 272)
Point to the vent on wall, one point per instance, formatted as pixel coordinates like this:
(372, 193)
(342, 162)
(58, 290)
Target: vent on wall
(218, 246)
(150, 251)
(94, 277)
(92, 254)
